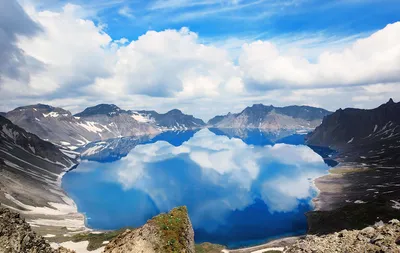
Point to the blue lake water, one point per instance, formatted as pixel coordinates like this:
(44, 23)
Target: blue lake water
(241, 188)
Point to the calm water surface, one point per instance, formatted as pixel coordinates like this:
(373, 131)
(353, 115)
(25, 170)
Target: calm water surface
(241, 188)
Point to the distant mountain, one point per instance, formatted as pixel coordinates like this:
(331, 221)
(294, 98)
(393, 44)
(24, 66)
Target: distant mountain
(31, 168)
(172, 120)
(101, 109)
(272, 118)
(95, 123)
(366, 133)
(3, 114)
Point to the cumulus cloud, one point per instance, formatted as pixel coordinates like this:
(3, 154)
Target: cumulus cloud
(171, 63)
(75, 51)
(14, 22)
(370, 60)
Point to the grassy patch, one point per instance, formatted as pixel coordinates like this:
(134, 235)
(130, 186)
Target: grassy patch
(96, 240)
(173, 225)
(208, 248)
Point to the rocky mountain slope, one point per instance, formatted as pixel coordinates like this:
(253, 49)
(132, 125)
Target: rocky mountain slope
(379, 238)
(100, 122)
(365, 184)
(61, 127)
(3, 114)
(31, 171)
(16, 236)
(172, 120)
(115, 122)
(362, 134)
(272, 118)
(165, 233)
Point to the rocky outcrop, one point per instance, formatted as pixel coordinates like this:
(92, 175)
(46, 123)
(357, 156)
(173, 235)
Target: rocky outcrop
(16, 236)
(378, 238)
(170, 232)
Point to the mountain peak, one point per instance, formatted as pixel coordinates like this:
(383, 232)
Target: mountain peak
(390, 102)
(101, 109)
(175, 111)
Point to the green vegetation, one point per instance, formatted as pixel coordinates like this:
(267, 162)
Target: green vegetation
(173, 226)
(96, 240)
(208, 248)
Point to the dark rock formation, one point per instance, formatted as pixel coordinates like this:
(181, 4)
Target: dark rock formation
(16, 236)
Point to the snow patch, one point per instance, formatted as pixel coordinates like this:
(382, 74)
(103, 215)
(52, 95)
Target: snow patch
(51, 114)
(359, 202)
(396, 205)
(67, 207)
(351, 140)
(92, 150)
(91, 127)
(80, 247)
(143, 118)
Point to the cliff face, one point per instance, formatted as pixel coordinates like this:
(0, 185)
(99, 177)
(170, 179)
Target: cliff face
(171, 232)
(16, 236)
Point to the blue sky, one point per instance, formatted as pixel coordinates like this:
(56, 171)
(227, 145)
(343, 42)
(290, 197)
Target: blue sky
(204, 57)
(262, 19)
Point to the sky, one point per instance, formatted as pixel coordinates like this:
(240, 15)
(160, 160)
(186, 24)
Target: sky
(204, 57)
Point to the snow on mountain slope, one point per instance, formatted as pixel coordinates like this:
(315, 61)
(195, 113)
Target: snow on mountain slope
(31, 171)
(61, 127)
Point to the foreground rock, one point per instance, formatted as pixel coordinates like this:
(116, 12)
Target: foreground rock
(379, 238)
(16, 236)
(171, 232)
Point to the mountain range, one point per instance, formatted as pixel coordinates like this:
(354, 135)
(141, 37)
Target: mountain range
(272, 118)
(95, 123)
(108, 121)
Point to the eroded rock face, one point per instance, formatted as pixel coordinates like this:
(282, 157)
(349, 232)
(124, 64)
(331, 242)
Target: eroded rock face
(16, 236)
(378, 238)
(171, 232)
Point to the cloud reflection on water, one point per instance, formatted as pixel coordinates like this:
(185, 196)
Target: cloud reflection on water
(223, 182)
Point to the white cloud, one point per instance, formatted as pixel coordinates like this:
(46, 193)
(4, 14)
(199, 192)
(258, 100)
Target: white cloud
(126, 11)
(370, 60)
(75, 51)
(171, 63)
